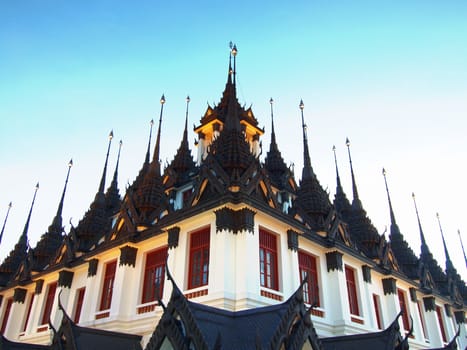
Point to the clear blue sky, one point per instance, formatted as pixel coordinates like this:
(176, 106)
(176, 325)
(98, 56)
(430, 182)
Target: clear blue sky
(390, 75)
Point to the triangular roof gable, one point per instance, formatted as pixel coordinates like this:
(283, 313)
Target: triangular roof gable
(388, 339)
(73, 337)
(6, 344)
(184, 322)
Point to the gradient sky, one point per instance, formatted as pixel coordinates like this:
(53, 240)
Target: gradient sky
(390, 75)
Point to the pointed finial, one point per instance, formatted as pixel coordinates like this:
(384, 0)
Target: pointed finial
(273, 133)
(449, 265)
(114, 179)
(56, 226)
(391, 211)
(234, 52)
(4, 222)
(155, 157)
(307, 171)
(462, 245)
(335, 162)
(185, 131)
(104, 172)
(422, 236)
(356, 200)
(151, 123)
(24, 236)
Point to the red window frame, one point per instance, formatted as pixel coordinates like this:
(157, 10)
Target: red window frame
(198, 274)
(154, 275)
(441, 324)
(352, 291)
(403, 306)
(307, 265)
(6, 315)
(268, 260)
(108, 285)
(79, 303)
(377, 305)
(28, 313)
(49, 302)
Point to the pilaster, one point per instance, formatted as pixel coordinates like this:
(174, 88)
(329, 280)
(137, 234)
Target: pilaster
(124, 299)
(337, 306)
(431, 321)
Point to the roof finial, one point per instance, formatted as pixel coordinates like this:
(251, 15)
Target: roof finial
(391, 212)
(6, 218)
(273, 133)
(24, 237)
(233, 50)
(151, 123)
(424, 246)
(104, 172)
(156, 155)
(337, 169)
(306, 153)
(57, 222)
(449, 265)
(356, 200)
(118, 161)
(462, 245)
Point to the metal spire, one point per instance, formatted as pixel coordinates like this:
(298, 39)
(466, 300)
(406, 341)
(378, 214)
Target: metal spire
(146, 161)
(185, 131)
(339, 186)
(356, 203)
(57, 221)
(234, 54)
(273, 133)
(449, 264)
(156, 155)
(307, 171)
(391, 212)
(462, 245)
(114, 180)
(424, 246)
(102, 183)
(24, 236)
(6, 218)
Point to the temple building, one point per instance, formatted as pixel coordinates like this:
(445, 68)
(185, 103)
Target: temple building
(226, 250)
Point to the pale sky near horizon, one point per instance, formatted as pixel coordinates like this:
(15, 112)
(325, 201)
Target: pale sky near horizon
(390, 75)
